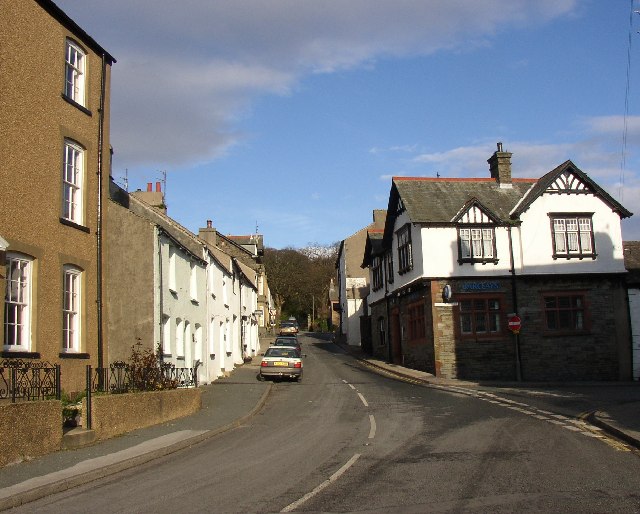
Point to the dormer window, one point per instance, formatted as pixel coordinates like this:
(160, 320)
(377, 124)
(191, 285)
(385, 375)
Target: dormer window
(477, 244)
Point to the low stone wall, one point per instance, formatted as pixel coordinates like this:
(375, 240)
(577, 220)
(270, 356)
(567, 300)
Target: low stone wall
(115, 414)
(29, 429)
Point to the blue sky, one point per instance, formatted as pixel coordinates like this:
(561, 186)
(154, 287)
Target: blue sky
(293, 115)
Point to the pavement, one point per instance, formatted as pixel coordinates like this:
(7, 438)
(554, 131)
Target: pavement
(230, 402)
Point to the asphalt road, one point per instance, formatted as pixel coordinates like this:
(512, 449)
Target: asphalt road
(348, 440)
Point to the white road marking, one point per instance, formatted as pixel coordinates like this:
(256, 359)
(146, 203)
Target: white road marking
(363, 400)
(372, 431)
(352, 387)
(323, 485)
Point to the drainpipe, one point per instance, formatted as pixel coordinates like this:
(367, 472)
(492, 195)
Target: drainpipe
(514, 300)
(160, 301)
(99, 206)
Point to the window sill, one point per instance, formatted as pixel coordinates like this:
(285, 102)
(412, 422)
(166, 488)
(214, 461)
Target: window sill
(166, 355)
(71, 101)
(71, 224)
(580, 257)
(74, 355)
(478, 261)
(18, 354)
(402, 272)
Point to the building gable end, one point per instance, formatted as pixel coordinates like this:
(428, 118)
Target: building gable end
(473, 212)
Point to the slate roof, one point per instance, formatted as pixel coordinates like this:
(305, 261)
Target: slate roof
(372, 247)
(438, 200)
(179, 234)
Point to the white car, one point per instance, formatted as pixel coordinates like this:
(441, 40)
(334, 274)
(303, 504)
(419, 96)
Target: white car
(281, 361)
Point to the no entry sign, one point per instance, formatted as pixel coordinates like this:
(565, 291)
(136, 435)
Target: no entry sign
(514, 323)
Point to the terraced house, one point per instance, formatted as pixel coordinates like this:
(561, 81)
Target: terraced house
(54, 171)
(460, 258)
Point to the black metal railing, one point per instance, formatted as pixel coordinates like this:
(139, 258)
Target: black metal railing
(24, 380)
(121, 377)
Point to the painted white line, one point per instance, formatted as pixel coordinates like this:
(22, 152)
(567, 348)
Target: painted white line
(572, 428)
(363, 400)
(540, 416)
(352, 387)
(345, 381)
(324, 484)
(372, 431)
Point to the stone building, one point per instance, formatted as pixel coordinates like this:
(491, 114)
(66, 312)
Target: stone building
(54, 171)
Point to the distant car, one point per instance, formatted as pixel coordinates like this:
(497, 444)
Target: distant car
(281, 361)
(288, 327)
(288, 341)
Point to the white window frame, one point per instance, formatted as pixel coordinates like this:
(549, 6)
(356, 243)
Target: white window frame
(572, 235)
(72, 182)
(71, 309)
(166, 335)
(17, 334)
(193, 281)
(75, 72)
(179, 338)
(477, 244)
(172, 269)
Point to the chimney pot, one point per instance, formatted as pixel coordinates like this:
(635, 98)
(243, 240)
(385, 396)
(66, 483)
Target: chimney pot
(209, 223)
(158, 188)
(149, 187)
(499, 147)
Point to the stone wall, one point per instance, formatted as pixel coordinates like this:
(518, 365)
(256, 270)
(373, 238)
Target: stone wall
(116, 414)
(29, 429)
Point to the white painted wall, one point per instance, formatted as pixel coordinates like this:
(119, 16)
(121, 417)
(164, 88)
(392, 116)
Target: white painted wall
(536, 243)
(184, 306)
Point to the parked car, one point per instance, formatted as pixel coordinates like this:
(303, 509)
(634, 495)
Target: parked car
(288, 327)
(281, 361)
(288, 341)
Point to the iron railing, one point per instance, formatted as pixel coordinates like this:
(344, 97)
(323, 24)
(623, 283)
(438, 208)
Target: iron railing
(25, 380)
(121, 377)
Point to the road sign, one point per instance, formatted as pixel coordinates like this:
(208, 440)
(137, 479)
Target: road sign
(514, 323)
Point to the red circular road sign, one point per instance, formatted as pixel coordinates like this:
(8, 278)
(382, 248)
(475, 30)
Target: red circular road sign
(514, 323)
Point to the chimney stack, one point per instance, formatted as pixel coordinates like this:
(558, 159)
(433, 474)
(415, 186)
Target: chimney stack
(500, 167)
(209, 234)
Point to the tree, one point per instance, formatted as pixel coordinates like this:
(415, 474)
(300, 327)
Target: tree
(299, 279)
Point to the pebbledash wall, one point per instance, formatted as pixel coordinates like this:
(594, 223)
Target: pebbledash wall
(600, 353)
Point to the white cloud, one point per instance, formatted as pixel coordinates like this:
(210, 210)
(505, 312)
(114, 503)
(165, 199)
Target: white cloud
(187, 70)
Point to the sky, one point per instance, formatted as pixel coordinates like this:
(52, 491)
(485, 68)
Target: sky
(289, 117)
